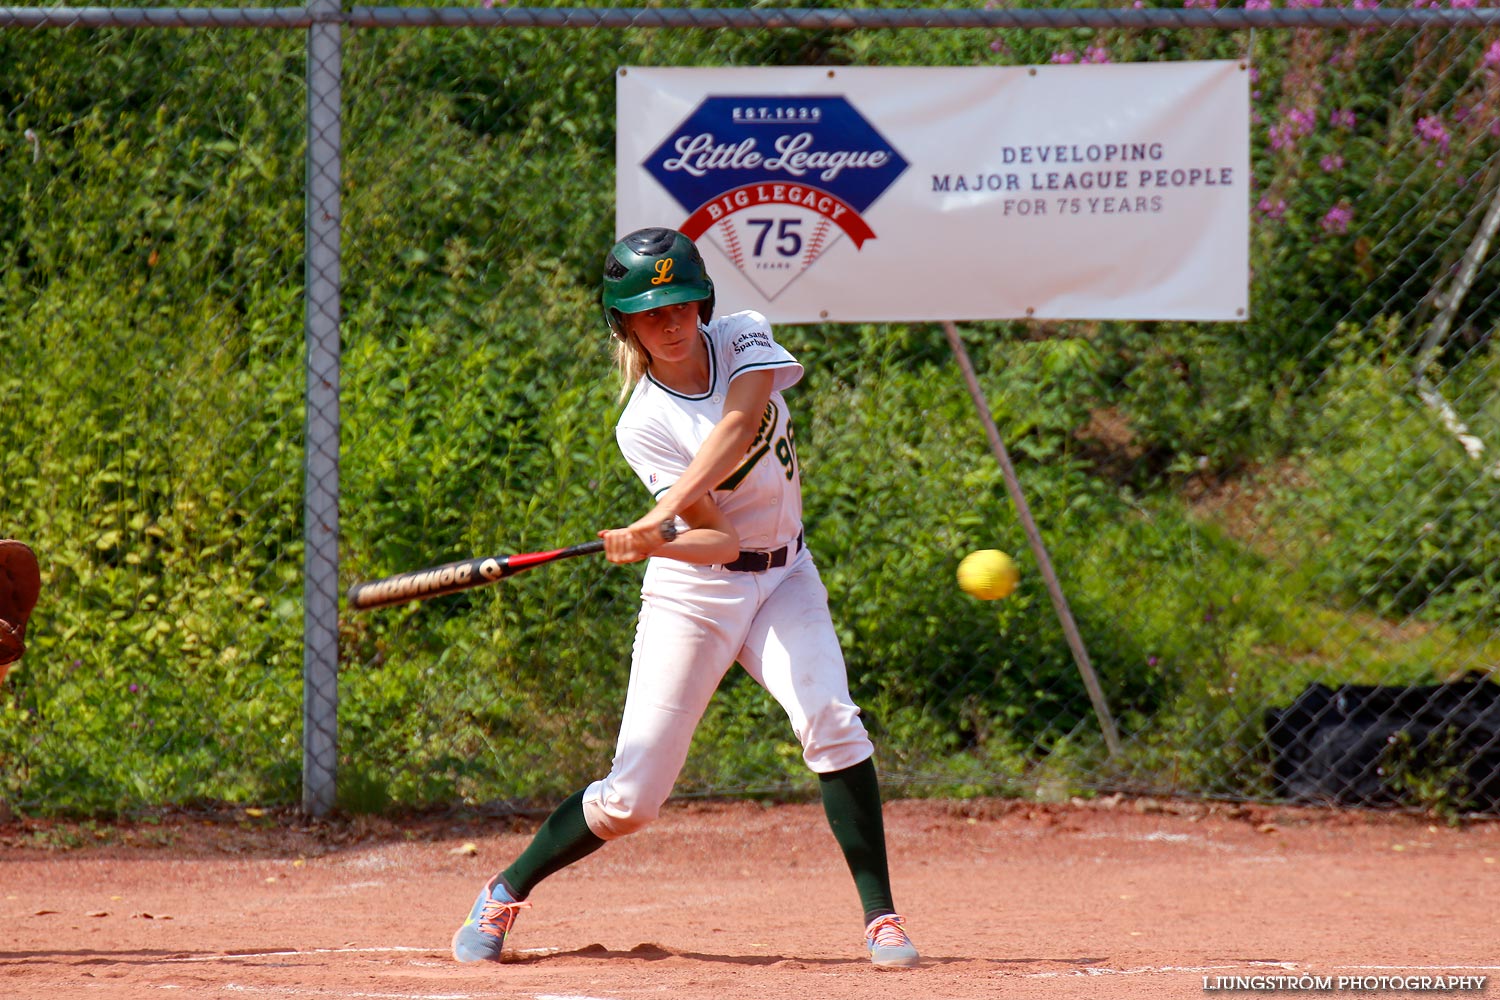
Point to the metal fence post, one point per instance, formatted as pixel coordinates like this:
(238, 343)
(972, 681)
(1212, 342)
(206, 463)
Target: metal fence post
(321, 499)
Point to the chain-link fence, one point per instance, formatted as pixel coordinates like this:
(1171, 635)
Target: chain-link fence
(305, 296)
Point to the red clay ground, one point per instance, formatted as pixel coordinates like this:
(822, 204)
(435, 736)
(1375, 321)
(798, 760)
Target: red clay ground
(1124, 899)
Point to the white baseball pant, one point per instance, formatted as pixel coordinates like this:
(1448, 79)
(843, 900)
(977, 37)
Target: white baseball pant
(695, 622)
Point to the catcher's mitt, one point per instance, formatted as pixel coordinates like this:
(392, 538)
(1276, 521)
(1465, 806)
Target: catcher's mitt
(20, 584)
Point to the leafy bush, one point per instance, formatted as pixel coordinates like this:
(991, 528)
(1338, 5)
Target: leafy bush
(1408, 517)
(151, 317)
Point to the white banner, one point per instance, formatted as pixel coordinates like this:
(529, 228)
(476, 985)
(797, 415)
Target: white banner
(859, 194)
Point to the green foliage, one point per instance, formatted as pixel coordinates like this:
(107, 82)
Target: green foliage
(1429, 771)
(148, 314)
(151, 317)
(1408, 516)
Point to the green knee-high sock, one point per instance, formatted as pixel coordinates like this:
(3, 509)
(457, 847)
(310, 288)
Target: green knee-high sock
(851, 800)
(564, 838)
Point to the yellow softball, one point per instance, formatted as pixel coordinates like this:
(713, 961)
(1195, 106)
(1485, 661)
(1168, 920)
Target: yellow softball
(988, 574)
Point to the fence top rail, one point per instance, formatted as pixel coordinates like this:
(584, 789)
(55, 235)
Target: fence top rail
(160, 17)
(807, 18)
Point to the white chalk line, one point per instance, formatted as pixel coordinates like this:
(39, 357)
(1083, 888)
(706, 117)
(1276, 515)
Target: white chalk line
(290, 991)
(1084, 972)
(1421, 968)
(1099, 970)
(293, 991)
(1285, 966)
(237, 955)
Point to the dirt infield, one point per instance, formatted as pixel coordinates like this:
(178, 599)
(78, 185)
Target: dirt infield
(1113, 899)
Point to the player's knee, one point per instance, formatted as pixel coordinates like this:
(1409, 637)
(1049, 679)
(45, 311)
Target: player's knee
(635, 818)
(833, 738)
(615, 816)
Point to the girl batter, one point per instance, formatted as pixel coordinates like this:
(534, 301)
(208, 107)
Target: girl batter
(708, 432)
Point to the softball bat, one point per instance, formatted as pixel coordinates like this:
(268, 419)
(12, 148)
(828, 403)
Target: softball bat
(466, 574)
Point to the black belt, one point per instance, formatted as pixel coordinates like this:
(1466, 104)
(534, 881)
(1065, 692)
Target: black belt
(759, 562)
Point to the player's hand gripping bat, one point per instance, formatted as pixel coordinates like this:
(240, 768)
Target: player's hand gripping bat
(466, 574)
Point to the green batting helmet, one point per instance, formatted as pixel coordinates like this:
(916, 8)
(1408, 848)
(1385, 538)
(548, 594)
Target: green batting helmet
(651, 268)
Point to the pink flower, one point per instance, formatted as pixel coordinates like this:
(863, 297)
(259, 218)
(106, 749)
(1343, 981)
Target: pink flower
(1430, 131)
(1336, 220)
(1342, 119)
(1271, 208)
(1331, 162)
(1257, 4)
(1492, 55)
(1296, 123)
(1463, 4)
(1064, 57)
(1096, 54)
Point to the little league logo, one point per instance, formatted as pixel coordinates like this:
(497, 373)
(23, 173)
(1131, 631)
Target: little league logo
(775, 181)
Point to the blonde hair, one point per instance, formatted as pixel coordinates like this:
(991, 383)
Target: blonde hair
(631, 359)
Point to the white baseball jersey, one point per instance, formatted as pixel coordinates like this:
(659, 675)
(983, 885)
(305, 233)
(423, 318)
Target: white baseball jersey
(662, 429)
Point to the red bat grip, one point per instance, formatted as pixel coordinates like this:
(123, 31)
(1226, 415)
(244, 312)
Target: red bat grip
(530, 559)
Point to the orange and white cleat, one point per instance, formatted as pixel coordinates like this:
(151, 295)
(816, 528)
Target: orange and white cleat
(482, 936)
(889, 946)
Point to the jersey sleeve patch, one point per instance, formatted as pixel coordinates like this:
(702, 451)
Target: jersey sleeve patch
(751, 339)
(748, 345)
